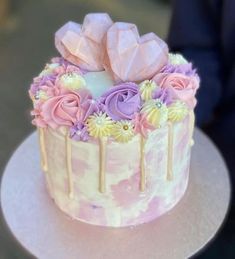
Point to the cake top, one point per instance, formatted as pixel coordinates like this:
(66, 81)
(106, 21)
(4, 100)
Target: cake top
(111, 82)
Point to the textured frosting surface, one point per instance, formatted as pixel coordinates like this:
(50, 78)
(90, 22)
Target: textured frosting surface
(122, 203)
(115, 115)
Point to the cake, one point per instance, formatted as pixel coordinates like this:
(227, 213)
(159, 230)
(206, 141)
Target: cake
(115, 117)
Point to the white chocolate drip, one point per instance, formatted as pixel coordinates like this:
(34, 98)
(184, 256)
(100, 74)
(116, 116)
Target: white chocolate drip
(191, 127)
(142, 165)
(44, 164)
(69, 165)
(102, 180)
(169, 176)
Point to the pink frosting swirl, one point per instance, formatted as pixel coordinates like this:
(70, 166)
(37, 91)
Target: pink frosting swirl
(141, 125)
(181, 86)
(89, 107)
(64, 109)
(38, 119)
(121, 102)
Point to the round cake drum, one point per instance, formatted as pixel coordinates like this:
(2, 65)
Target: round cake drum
(46, 232)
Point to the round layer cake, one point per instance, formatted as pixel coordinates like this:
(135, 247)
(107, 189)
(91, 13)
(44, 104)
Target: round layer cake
(115, 120)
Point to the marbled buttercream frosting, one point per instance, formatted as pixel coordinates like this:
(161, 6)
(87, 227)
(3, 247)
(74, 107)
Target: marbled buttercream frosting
(115, 120)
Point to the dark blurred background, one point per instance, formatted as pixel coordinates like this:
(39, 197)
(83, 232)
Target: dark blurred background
(27, 42)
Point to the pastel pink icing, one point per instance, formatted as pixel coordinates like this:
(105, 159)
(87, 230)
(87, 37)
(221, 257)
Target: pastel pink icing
(182, 87)
(65, 108)
(38, 118)
(96, 45)
(122, 204)
(141, 125)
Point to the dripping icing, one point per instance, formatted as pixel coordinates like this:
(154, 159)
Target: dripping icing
(191, 127)
(169, 176)
(69, 164)
(44, 163)
(142, 165)
(102, 178)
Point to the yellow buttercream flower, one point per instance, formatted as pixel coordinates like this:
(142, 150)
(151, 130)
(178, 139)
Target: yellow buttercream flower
(177, 59)
(49, 69)
(177, 111)
(123, 131)
(72, 81)
(156, 112)
(99, 125)
(41, 95)
(146, 89)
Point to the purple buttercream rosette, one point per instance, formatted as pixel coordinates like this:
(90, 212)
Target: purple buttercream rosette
(122, 101)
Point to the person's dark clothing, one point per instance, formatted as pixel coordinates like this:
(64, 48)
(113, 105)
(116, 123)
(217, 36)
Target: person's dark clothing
(204, 31)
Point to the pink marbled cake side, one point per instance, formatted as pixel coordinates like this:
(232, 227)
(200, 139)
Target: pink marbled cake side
(122, 204)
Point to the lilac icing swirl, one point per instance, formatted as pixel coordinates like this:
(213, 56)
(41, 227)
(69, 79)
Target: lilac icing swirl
(122, 101)
(50, 80)
(164, 94)
(89, 107)
(79, 132)
(38, 82)
(185, 69)
(68, 66)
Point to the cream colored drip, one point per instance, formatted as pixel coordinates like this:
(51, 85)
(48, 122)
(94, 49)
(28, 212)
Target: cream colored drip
(44, 163)
(191, 127)
(102, 180)
(69, 164)
(169, 176)
(142, 165)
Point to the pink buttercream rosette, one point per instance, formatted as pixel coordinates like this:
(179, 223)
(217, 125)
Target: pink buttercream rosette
(182, 87)
(66, 108)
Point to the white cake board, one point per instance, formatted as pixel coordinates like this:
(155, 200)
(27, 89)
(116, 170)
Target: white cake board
(43, 230)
